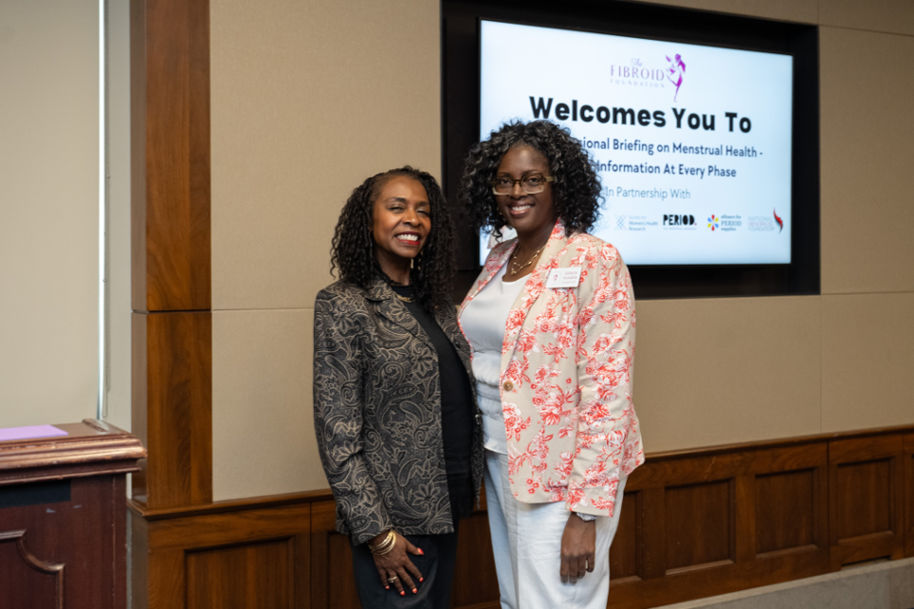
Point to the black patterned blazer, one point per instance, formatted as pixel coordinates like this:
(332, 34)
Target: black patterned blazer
(377, 412)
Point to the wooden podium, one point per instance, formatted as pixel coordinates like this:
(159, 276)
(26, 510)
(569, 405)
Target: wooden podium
(63, 515)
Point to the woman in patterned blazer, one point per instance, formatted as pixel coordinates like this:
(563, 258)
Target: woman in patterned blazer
(394, 409)
(551, 321)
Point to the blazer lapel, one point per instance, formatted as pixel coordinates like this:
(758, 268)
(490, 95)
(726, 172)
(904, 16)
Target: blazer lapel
(534, 287)
(392, 309)
(448, 325)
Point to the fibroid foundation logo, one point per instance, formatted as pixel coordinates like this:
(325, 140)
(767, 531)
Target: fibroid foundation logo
(675, 72)
(636, 74)
(713, 222)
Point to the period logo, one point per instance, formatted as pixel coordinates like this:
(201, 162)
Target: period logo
(679, 221)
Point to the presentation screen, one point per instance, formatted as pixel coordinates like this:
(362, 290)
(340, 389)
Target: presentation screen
(692, 143)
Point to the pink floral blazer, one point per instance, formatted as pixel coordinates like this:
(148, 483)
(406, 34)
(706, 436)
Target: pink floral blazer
(566, 375)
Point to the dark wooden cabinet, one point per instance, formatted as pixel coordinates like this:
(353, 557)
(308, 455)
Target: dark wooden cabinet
(63, 517)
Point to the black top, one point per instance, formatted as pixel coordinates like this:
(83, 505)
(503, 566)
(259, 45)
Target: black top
(456, 407)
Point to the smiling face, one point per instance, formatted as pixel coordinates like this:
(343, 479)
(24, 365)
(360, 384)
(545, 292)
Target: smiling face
(532, 216)
(401, 222)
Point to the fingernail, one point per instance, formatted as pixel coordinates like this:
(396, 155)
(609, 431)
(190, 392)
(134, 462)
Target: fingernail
(420, 551)
(421, 580)
(414, 590)
(402, 593)
(387, 587)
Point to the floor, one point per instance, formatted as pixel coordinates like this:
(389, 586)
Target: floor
(882, 585)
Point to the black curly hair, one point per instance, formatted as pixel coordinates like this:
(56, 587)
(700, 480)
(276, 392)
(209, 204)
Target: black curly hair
(576, 192)
(353, 257)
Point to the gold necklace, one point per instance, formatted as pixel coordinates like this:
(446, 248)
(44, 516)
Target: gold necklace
(403, 298)
(513, 266)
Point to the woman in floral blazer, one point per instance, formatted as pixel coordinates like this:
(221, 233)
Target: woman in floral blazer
(551, 321)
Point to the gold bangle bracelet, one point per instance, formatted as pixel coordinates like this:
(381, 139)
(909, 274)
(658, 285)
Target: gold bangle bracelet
(386, 545)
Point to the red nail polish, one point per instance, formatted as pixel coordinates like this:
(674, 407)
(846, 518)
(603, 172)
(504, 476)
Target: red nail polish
(414, 590)
(387, 587)
(421, 579)
(420, 551)
(402, 593)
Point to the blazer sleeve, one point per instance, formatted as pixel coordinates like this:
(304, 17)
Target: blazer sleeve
(608, 441)
(338, 416)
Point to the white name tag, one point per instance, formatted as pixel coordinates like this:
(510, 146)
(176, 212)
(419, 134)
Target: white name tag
(567, 277)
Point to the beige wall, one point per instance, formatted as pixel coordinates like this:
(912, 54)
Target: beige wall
(48, 211)
(309, 98)
(49, 199)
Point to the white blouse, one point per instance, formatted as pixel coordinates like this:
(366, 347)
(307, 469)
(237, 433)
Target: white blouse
(483, 321)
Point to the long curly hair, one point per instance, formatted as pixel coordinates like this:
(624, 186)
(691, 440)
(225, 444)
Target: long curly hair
(353, 257)
(576, 189)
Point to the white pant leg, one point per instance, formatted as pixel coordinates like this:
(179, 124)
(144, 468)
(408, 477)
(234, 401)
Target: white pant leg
(500, 507)
(534, 540)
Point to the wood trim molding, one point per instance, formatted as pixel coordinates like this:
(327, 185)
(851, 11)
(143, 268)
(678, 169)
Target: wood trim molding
(170, 131)
(91, 448)
(171, 293)
(175, 411)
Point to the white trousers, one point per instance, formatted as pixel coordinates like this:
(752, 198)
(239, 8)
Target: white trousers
(527, 540)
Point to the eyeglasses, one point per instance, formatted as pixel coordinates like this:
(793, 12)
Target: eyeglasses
(531, 184)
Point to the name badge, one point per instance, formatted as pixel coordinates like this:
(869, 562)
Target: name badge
(567, 277)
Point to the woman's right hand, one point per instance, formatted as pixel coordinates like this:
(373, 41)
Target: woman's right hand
(395, 567)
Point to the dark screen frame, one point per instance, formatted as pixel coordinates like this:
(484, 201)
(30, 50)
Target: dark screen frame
(460, 128)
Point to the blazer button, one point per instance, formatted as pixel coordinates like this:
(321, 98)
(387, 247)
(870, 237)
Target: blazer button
(508, 386)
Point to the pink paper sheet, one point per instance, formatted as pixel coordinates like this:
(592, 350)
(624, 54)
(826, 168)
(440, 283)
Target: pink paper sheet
(29, 432)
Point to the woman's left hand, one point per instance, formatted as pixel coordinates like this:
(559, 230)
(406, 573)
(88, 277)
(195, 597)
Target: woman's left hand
(578, 548)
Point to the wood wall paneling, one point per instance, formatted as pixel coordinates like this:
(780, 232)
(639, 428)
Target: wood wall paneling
(751, 515)
(172, 376)
(244, 556)
(475, 584)
(331, 561)
(699, 531)
(172, 327)
(179, 402)
(909, 493)
(172, 337)
(788, 523)
(138, 398)
(866, 480)
(230, 577)
(171, 177)
(625, 558)
(700, 524)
